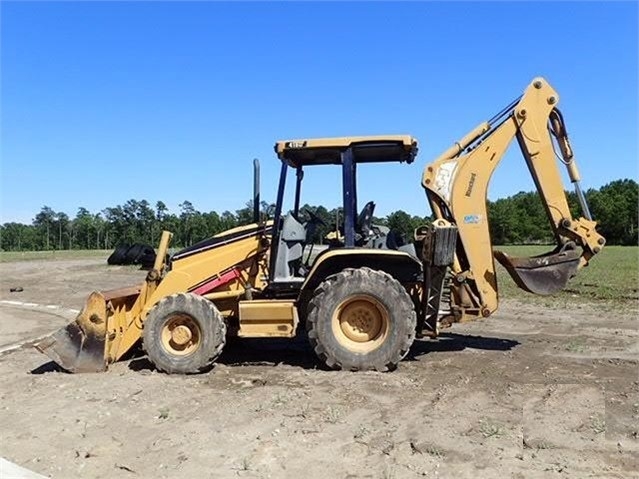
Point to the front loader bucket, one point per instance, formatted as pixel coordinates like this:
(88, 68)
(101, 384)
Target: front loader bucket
(544, 274)
(80, 346)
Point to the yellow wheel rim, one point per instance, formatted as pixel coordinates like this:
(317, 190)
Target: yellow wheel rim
(181, 335)
(361, 323)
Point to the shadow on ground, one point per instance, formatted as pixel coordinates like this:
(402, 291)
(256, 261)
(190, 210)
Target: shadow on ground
(298, 353)
(255, 352)
(447, 342)
(50, 367)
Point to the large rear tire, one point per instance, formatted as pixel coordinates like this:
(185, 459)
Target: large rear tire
(184, 333)
(361, 319)
(134, 253)
(119, 255)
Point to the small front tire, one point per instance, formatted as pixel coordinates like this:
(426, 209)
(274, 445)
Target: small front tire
(184, 334)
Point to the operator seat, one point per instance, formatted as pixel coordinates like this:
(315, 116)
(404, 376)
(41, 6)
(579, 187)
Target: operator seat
(289, 252)
(365, 220)
(394, 240)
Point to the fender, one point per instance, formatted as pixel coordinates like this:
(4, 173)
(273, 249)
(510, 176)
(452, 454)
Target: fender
(399, 264)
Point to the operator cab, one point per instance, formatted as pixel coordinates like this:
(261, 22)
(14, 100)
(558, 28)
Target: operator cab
(290, 236)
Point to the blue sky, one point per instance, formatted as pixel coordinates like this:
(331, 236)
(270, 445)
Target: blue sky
(103, 102)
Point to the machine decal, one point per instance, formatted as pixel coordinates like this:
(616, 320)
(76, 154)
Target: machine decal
(472, 219)
(217, 281)
(444, 179)
(295, 144)
(471, 183)
(221, 240)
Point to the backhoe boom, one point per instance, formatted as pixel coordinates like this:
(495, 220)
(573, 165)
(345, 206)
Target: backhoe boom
(456, 184)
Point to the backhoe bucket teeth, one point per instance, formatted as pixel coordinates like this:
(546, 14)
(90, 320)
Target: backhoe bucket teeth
(544, 274)
(80, 346)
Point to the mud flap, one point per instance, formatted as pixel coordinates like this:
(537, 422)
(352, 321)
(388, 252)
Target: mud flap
(544, 274)
(80, 346)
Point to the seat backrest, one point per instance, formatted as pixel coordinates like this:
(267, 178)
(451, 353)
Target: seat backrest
(365, 219)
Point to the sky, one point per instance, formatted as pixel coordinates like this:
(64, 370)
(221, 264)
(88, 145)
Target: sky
(105, 102)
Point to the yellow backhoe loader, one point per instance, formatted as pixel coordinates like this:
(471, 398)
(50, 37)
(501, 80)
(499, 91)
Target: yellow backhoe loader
(365, 299)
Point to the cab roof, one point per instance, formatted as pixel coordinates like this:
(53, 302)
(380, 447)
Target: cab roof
(366, 149)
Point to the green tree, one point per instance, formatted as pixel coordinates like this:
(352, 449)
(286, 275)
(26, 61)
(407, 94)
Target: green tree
(18, 237)
(520, 218)
(145, 220)
(186, 230)
(614, 207)
(83, 230)
(321, 230)
(228, 221)
(502, 222)
(62, 225)
(45, 222)
(405, 224)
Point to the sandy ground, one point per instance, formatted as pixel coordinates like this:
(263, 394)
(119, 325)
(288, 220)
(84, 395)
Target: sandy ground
(530, 392)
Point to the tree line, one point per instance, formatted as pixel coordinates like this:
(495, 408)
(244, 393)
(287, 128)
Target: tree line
(518, 219)
(521, 219)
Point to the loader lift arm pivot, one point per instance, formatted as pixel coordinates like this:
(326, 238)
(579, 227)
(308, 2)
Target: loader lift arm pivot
(456, 185)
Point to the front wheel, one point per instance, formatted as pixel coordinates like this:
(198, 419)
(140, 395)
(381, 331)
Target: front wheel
(361, 319)
(184, 333)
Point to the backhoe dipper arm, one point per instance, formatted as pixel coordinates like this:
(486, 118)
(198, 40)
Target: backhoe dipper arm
(456, 185)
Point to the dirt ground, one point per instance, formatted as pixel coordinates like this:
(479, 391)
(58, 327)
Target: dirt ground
(530, 392)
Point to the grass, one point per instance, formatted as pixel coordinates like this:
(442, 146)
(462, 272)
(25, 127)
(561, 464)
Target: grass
(611, 277)
(490, 429)
(434, 451)
(544, 445)
(332, 415)
(11, 256)
(575, 346)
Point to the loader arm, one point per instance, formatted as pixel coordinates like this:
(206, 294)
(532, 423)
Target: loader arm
(222, 268)
(456, 185)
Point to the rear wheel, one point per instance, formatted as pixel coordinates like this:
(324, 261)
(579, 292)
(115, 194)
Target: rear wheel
(184, 333)
(361, 319)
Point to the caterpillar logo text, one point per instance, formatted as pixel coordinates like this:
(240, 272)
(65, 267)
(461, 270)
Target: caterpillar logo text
(469, 190)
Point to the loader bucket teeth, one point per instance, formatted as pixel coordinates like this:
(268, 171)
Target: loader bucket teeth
(544, 274)
(80, 346)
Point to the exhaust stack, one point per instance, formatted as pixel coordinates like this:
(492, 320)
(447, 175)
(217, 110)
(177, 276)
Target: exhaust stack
(256, 190)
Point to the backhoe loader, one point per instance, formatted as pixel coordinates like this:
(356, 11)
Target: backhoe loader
(365, 299)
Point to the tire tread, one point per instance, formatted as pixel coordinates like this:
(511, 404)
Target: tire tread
(201, 309)
(343, 279)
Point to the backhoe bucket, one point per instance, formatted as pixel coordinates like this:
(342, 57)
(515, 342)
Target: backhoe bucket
(544, 274)
(81, 345)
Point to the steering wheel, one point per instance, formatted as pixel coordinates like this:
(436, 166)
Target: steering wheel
(314, 218)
